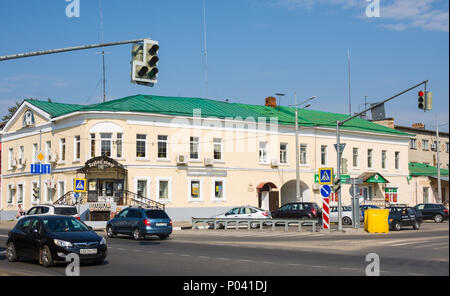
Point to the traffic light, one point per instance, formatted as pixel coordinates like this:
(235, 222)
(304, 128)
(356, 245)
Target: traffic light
(145, 62)
(35, 193)
(428, 100)
(336, 185)
(421, 100)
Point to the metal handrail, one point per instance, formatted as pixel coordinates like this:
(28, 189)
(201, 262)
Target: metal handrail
(249, 221)
(67, 199)
(142, 201)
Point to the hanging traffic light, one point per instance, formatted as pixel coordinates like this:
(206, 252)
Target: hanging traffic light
(35, 193)
(421, 100)
(145, 62)
(336, 185)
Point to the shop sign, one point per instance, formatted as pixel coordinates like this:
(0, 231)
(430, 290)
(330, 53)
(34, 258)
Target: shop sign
(377, 178)
(100, 207)
(101, 164)
(206, 173)
(343, 178)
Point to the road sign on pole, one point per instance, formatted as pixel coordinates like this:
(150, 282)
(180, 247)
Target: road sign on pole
(326, 214)
(326, 176)
(325, 191)
(79, 185)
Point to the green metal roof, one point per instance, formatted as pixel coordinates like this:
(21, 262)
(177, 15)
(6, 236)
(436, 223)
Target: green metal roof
(210, 108)
(420, 169)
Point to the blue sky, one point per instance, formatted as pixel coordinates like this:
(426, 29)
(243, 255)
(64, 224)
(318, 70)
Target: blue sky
(255, 48)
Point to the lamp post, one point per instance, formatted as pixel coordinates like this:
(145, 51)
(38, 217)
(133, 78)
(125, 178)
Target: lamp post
(297, 147)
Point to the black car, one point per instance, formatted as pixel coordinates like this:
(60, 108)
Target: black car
(404, 216)
(436, 212)
(140, 222)
(298, 210)
(51, 238)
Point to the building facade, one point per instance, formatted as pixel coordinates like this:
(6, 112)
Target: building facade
(198, 157)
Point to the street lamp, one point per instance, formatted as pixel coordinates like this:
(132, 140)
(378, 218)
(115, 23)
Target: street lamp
(297, 147)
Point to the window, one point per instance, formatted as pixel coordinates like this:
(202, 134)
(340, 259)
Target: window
(92, 145)
(383, 159)
(20, 194)
(263, 152)
(21, 153)
(61, 189)
(163, 190)
(303, 150)
(11, 193)
(369, 158)
(162, 147)
(195, 193)
(219, 190)
(413, 144)
(194, 148)
(49, 193)
(77, 145)
(397, 160)
(434, 146)
(425, 145)
(48, 150)
(119, 149)
(105, 145)
(283, 153)
(323, 155)
(447, 147)
(425, 194)
(217, 148)
(35, 149)
(141, 143)
(142, 188)
(355, 157)
(62, 149)
(10, 158)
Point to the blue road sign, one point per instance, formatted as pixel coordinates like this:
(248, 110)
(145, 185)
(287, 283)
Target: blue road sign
(76, 195)
(79, 185)
(38, 169)
(325, 191)
(326, 176)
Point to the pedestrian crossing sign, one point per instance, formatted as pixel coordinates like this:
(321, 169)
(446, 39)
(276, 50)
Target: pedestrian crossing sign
(79, 185)
(326, 176)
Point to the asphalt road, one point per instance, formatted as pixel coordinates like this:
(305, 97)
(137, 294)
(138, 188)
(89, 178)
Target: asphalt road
(263, 253)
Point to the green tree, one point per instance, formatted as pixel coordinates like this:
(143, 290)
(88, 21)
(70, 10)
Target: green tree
(11, 111)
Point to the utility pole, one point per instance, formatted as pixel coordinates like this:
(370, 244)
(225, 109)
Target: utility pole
(338, 142)
(40, 175)
(438, 163)
(297, 154)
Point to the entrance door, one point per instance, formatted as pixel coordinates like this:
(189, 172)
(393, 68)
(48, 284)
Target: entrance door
(274, 203)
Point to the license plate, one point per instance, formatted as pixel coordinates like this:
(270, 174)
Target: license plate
(88, 251)
(161, 224)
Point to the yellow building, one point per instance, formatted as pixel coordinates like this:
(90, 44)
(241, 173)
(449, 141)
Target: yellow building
(198, 157)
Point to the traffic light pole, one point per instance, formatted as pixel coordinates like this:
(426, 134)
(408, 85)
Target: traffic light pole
(52, 51)
(338, 142)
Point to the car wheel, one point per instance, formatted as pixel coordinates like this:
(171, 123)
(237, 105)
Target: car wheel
(45, 257)
(137, 234)
(438, 218)
(416, 225)
(110, 232)
(346, 221)
(163, 237)
(397, 226)
(11, 252)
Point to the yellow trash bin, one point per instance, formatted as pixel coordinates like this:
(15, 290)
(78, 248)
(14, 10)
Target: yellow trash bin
(376, 221)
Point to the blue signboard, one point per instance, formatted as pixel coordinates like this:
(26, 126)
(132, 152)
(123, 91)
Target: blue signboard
(325, 191)
(326, 176)
(38, 169)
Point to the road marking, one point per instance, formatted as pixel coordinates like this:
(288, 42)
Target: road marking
(431, 245)
(2, 235)
(222, 259)
(410, 243)
(319, 266)
(185, 255)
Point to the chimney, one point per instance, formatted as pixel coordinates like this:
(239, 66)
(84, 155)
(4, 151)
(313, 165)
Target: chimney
(271, 102)
(418, 125)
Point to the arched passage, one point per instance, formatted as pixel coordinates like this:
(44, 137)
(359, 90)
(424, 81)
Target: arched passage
(288, 192)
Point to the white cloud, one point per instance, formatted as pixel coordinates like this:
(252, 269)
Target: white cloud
(398, 15)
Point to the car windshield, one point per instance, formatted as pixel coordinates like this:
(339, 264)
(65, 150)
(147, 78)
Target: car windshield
(62, 224)
(156, 214)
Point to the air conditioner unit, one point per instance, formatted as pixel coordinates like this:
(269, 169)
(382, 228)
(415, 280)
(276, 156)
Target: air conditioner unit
(274, 163)
(209, 161)
(181, 159)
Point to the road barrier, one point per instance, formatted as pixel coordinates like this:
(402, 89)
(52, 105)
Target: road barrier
(249, 222)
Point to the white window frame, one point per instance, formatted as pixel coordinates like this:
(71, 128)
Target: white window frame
(357, 157)
(263, 151)
(213, 187)
(23, 193)
(397, 160)
(46, 199)
(286, 153)
(384, 158)
(306, 155)
(169, 189)
(326, 155)
(143, 178)
(21, 154)
(371, 158)
(75, 149)
(61, 150)
(197, 142)
(35, 151)
(413, 143)
(167, 147)
(48, 150)
(110, 139)
(10, 158)
(221, 149)
(58, 191)
(425, 145)
(121, 146)
(10, 197)
(90, 145)
(200, 198)
(146, 147)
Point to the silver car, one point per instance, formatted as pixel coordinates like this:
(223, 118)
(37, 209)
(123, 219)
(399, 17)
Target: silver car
(346, 215)
(244, 212)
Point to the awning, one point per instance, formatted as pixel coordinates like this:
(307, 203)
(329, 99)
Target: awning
(261, 186)
(372, 177)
